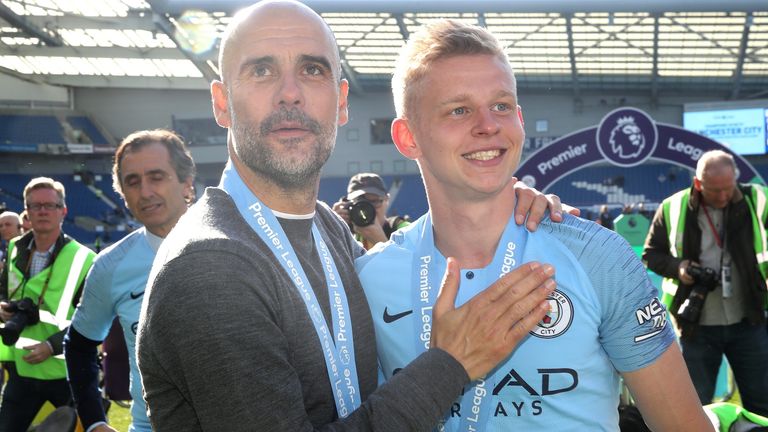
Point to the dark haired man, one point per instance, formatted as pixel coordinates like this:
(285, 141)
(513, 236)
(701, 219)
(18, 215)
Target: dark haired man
(153, 172)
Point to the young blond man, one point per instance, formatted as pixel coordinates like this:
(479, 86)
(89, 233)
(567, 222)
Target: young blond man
(458, 117)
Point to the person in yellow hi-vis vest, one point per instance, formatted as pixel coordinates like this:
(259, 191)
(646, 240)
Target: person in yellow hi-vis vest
(709, 242)
(39, 287)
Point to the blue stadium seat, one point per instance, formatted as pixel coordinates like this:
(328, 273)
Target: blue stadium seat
(30, 129)
(86, 125)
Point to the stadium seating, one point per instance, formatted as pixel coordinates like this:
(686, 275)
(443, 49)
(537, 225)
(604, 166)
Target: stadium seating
(30, 129)
(86, 125)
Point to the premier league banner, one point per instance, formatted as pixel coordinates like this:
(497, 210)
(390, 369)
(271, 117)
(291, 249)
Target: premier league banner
(625, 137)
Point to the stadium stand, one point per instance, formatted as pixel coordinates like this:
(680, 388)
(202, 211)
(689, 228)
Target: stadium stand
(30, 129)
(85, 124)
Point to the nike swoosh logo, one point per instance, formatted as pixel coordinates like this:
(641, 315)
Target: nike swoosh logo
(392, 318)
(135, 296)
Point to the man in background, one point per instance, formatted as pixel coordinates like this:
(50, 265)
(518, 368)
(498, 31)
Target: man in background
(153, 172)
(368, 198)
(709, 243)
(10, 227)
(39, 289)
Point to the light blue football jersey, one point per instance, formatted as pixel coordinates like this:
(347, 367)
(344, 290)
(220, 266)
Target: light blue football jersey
(115, 287)
(605, 319)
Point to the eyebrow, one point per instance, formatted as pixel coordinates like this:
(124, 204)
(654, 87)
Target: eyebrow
(465, 96)
(150, 172)
(269, 60)
(306, 58)
(257, 61)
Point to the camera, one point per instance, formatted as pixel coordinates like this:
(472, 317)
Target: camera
(705, 280)
(361, 211)
(25, 313)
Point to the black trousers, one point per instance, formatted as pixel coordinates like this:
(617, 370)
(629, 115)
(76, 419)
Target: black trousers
(23, 397)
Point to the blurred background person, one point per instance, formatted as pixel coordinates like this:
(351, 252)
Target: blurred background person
(365, 207)
(604, 218)
(39, 288)
(153, 171)
(10, 227)
(708, 242)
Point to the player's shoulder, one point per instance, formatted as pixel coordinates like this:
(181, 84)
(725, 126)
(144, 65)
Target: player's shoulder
(401, 246)
(578, 232)
(116, 253)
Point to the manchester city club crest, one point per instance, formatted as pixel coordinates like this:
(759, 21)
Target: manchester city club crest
(558, 319)
(627, 137)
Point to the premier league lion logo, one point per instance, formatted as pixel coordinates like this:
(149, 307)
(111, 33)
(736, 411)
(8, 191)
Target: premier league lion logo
(627, 137)
(627, 140)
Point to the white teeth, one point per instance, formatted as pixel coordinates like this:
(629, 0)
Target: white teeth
(483, 155)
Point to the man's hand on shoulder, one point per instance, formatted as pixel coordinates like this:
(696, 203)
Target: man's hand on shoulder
(104, 428)
(534, 203)
(486, 329)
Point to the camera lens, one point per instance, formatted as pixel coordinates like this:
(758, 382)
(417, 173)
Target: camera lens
(362, 213)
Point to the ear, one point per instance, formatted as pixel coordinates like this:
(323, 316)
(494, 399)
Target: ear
(220, 104)
(343, 102)
(189, 189)
(520, 115)
(697, 184)
(403, 139)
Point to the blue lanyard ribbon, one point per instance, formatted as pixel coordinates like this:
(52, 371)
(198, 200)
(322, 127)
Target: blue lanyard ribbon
(429, 266)
(339, 348)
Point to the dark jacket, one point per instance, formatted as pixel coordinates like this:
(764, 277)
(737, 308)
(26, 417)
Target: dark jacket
(23, 256)
(739, 235)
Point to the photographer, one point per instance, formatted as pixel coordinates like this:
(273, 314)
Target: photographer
(364, 208)
(707, 241)
(39, 286)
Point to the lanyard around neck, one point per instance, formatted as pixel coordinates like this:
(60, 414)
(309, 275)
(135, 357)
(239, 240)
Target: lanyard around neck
(712, 227)
(338, 348)
(429, 265)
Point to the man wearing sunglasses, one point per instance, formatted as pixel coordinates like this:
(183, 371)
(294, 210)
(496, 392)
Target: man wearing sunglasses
(40, 286)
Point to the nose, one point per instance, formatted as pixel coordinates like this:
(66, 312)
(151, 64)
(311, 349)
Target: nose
(147, 190)
(290, 93)
(486, 123)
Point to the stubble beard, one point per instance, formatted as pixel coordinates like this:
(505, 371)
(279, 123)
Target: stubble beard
(254, 150)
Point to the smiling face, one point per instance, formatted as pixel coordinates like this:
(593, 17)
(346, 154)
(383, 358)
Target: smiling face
(467, 134)
(151, 188)
(281, 95)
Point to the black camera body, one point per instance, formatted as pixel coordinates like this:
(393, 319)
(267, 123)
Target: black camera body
(361, 211)
(705, 280)
(25, 313)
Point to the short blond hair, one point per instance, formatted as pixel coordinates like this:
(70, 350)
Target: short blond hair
(45, 183)
(439, 40)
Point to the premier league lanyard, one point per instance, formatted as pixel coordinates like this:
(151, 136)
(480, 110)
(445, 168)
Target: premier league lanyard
(339, 349)
(429, 268)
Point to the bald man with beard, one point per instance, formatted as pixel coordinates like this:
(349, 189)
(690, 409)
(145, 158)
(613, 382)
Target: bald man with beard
(254, 318)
